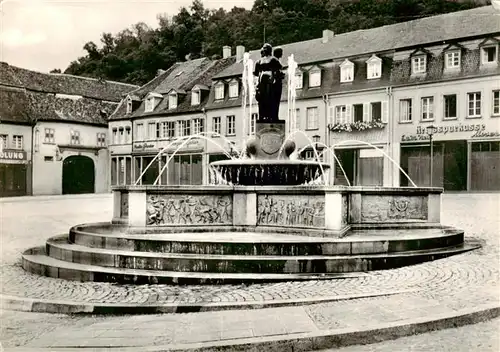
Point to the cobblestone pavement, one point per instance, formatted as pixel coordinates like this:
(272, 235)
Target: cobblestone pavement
(450, 284)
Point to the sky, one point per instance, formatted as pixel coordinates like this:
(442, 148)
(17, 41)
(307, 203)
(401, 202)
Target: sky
(42, 35)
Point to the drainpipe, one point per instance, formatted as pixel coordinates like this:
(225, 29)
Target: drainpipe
(327, 138)
(390, 134)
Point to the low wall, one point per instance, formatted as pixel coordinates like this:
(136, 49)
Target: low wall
(334, 209)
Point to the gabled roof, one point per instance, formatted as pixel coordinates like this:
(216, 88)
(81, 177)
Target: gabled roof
(405, 35)
(24, 106)
(62, 83)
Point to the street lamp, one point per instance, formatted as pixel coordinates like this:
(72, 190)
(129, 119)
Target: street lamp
(430, 131)
(316, 140)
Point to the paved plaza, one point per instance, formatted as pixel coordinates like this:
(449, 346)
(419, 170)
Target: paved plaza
(396, 302)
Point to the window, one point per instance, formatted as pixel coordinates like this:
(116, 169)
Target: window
(452, 59)
(195, 97)
(216, 125)
(4, 140)
(358, 112)
(253, 121)
(149, 104)
(75, 137)
(197, 126)
(341, 114)
(374, 67)
(151, 130)
(49, 135)
(405, 110)
(172, 100)
(219, 91)
(474, 104)
(233, 89)
(127, 135)
(298, 80)
(346, 71)
(121, 135)
(48, 158)
(315, 78)
(101, 139)
(139, 132)
(312, 118)
(489, 54)
(231, 125)
(427, 108)
(450, 106)
(115, 136)
(376, 110)
(129, 105)
(297, 119)
(495, 109)
(418, 64)
(184, 128)
(167, 129)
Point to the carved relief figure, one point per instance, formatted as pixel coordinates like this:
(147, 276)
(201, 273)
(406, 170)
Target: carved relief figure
(290, 210)
(387, 208)
(189, 209)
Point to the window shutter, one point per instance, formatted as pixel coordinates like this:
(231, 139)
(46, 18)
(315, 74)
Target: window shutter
(331, 112)
(385, 111)
(366, 112)
(348, 113)
(334, 114)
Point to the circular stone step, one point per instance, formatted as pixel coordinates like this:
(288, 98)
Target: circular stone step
(257, 243)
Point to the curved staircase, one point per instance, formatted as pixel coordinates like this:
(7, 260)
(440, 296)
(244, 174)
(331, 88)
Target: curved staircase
(111, 253)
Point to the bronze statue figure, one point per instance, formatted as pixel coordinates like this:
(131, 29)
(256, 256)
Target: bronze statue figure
(269, 86)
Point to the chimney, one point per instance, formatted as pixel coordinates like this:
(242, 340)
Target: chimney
(226, 51)
(240, 50)
(327, 35)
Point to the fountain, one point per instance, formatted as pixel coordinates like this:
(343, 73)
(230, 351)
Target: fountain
(268, 218)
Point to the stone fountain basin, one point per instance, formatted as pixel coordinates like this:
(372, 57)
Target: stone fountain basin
(253, 172)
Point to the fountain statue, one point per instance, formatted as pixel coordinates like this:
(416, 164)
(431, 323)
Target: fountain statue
(268, 154)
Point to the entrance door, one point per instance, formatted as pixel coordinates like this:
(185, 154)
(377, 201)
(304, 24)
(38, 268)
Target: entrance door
(78, 175)
(13, 180)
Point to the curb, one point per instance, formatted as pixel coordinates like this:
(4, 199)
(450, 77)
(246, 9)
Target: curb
(319, 340)
(63, 307)
(45, 198)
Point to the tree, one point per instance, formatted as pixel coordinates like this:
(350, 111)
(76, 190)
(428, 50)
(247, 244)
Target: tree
(56, 70)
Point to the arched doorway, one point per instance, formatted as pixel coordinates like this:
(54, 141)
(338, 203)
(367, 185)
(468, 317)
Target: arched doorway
(78, 175)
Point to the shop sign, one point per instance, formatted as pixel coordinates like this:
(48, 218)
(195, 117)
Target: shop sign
(479, 131)
(12, 155)
(190, 144)
(144, 146)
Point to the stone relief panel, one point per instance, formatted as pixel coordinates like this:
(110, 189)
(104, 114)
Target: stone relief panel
(124, 204)
(291, 210)
(345, 210)
(177, 209)
(393, 208)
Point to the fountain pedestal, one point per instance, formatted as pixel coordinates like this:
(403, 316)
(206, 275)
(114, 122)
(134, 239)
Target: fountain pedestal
(269, 137)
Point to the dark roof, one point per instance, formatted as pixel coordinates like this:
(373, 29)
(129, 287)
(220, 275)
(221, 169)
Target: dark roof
(63, 84)
(462, 24)
(24, 106)
(181, 78)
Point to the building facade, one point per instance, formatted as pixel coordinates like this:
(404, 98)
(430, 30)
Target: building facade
(364, 99)
(54, 132)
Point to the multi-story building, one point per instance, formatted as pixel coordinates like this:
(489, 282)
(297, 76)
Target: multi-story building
(363, 99)
(54, 132)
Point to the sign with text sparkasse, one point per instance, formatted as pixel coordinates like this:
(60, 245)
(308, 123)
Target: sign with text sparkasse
(446, 132)
(11, 154)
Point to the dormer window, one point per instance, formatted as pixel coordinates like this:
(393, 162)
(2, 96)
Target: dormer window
(374, 67)
(452, 59)
(129, 105)
(346, 71)
(298, 80)
(219, 91)
(233, 89)
(149, 104)
(418, 64)
(489, 54)
(315, 77)
(195, 96)
(172, 100)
